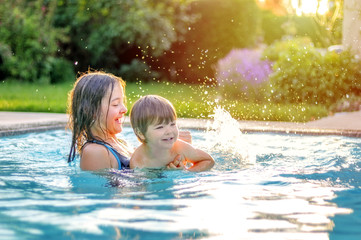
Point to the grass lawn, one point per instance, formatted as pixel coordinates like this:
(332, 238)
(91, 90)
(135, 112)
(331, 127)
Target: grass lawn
(191, 101)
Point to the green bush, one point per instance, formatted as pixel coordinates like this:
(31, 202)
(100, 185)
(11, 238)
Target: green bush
(27, 33)
(61, 71)
(282, 47)
(106, 34)
(303, 75)
(272, 29)
(138, 71)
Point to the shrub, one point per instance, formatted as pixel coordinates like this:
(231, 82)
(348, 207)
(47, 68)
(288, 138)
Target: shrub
(303, 75)
(61, 70)
(138, 71)
(27, 32)
(242, 73)
(282, 47)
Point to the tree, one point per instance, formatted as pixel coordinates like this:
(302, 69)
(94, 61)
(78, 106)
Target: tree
(217, 27)
(106, 34)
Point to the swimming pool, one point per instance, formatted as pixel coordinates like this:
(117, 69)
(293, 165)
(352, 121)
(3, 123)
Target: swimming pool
(263, 186)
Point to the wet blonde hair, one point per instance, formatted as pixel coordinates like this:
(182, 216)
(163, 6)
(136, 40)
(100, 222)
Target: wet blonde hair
(84, 105)
(150, 109)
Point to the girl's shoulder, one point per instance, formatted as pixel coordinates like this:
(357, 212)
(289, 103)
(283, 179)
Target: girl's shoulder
(90, 155)
(93, 148)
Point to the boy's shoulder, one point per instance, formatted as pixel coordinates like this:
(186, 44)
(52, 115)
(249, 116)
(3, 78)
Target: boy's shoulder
(137, 159)
(181, 145)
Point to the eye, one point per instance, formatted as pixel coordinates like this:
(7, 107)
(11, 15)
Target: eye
(172, 123)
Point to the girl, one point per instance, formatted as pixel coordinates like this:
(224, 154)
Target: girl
(153, 119)
(96, 111)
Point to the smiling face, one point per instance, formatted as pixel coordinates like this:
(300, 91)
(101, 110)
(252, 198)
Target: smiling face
(153, 112)
(162, 135)
(112, 111)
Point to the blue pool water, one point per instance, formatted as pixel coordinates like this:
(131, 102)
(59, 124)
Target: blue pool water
(263, 186)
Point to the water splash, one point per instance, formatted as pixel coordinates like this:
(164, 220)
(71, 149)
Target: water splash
(224, 135)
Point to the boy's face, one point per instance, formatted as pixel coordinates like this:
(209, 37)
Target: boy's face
(162, 135)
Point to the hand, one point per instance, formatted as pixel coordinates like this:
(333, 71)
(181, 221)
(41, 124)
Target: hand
(177, 164)
(185, 136)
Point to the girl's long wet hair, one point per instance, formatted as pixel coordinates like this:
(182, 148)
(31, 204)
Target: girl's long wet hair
(84, 105)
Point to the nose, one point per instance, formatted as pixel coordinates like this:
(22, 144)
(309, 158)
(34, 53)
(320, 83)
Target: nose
(168, 129)
(123, 109)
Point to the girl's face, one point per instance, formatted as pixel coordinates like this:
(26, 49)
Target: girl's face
(112, 113)
(162, 135)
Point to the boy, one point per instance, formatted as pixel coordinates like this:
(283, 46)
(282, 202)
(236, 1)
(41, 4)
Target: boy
(153, 119)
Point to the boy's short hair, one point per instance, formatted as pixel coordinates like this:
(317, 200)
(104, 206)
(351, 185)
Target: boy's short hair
(150, 109)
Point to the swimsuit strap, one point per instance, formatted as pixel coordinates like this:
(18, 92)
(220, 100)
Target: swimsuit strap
(116, 154)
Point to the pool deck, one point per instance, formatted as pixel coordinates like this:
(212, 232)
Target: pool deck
(346, 124)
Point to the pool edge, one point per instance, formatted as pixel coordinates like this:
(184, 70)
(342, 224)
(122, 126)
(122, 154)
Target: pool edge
(16, 123)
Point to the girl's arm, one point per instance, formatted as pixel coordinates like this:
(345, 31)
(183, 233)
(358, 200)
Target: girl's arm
(201, 160)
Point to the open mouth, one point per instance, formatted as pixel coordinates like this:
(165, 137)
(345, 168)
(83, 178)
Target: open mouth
(119, 120)
(168, 139)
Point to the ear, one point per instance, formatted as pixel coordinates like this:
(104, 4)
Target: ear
(139, 134)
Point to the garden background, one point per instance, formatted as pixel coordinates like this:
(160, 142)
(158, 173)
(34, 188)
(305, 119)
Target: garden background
(259, 60)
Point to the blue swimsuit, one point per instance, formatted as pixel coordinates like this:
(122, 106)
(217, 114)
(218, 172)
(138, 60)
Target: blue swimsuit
(123, 162)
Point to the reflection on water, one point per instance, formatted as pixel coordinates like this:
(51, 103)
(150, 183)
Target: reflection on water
(268, 186)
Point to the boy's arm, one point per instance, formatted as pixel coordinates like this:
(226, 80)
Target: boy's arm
(177, 163)
(201, 160)
(185, 136)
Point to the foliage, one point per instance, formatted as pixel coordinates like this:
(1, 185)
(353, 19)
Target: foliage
(218, 26)
(323, 29)
(106, 34)
(242, 73)
(138, 71)
(282, 47)
(28, 40)
(271, 25)
(304, 75)
(61, 70)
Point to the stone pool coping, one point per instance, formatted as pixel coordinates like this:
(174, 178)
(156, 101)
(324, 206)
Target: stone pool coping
(345, 124)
